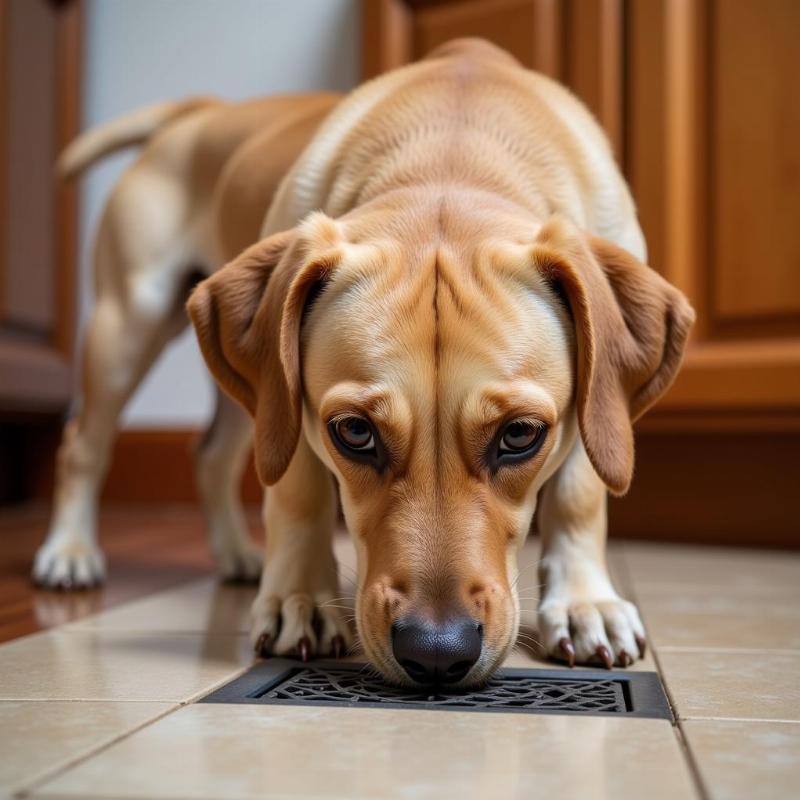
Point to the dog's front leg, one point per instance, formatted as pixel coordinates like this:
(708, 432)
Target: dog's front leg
(294, 612)
(581, 616)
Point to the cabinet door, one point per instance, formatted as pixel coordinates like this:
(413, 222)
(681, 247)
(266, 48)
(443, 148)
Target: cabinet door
(701, 102)
(712, 132)
(38, 114)
(714, 162)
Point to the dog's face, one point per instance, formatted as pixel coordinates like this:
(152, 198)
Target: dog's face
(438, 364)
(441, 406)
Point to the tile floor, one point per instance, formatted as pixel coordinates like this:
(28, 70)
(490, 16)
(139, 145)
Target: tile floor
(102, 707)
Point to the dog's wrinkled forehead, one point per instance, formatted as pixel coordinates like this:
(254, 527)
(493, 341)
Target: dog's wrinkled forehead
(436, 321)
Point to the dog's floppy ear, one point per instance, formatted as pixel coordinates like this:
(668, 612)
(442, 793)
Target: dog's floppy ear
(631, 328)
(247, 318)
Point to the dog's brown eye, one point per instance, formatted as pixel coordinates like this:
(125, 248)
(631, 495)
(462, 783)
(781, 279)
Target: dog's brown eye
(355, 433)
(520, 437)
(516, 443)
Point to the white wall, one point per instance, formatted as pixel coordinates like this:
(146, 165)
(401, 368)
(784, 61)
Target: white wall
(141, 51)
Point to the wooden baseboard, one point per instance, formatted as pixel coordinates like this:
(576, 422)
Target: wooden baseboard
(717, 488)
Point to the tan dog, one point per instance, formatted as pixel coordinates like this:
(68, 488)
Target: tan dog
(465, 334)
(195, 198)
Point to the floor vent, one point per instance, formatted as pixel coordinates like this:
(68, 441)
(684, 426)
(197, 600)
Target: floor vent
(532, 691)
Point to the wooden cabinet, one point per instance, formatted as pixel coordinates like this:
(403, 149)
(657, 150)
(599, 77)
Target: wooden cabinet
(701, 101)
(39, 81)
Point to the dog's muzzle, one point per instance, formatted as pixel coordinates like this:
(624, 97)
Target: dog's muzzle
(437, 653)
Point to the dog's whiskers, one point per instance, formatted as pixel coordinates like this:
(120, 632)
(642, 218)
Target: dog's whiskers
(524, 569)
(529, 639)
(353, 573)
(335, 605)
(338, 599)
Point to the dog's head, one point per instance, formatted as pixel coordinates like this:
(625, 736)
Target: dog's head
(441, 363)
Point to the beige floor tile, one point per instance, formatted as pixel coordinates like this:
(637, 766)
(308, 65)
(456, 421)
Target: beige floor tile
(728, 567)
(204, 607)
(694, 615)
(105, 665)
(38, 738)
(747, 760)
(734, 685)
(213, 751)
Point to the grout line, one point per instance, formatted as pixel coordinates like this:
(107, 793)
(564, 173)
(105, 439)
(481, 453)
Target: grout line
(741, 719)
(209, 689)
(106, 631)
(691, 761)
(680, 734)
(28, 785)
(190, 699)
(91, 700)
(743, 650)
(48, 774)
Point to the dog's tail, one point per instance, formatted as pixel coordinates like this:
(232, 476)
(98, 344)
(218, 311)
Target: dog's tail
(131, 129)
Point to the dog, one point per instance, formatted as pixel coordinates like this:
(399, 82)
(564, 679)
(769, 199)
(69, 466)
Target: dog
(448, 317)
(450, 313)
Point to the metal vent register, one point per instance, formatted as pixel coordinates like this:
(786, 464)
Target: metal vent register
(532, 691)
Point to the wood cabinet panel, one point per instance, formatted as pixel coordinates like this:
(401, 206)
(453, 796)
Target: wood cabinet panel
(528, 29)
(712, 166)
(756, 160)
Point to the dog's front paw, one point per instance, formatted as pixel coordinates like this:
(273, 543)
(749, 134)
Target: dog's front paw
(298, 625)
(605, 630)
(69, 562)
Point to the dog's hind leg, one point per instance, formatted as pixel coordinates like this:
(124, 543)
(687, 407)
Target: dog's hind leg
(220, 459)
(141, 289)
(120, 346)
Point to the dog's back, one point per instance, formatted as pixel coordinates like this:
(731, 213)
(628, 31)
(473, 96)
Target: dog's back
(468, 112)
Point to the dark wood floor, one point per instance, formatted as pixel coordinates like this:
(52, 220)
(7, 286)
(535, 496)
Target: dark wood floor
(148, 548)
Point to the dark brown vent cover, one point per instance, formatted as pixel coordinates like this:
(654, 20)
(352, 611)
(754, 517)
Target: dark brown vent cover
(536, 691)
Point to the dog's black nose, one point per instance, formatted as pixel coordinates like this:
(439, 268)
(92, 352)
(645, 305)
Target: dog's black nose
(442, 653)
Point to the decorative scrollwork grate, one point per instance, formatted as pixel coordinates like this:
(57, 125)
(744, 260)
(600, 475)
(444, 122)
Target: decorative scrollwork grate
(558, 691)
(337, 685)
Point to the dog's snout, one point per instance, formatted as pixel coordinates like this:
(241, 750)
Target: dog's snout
(437, 653)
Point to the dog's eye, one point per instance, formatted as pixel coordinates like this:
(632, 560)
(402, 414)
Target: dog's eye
(355, 433)
(519, 440)
(519, 436)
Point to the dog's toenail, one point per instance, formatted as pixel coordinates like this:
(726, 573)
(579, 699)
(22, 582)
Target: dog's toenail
(605, 656)
(641, 643)
(304, 648)
(624, 659)
(565, 645)
(262, 645)
(337, 646)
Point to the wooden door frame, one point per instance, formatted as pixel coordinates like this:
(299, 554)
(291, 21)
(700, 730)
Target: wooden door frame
(28, 371)
(36, 376)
